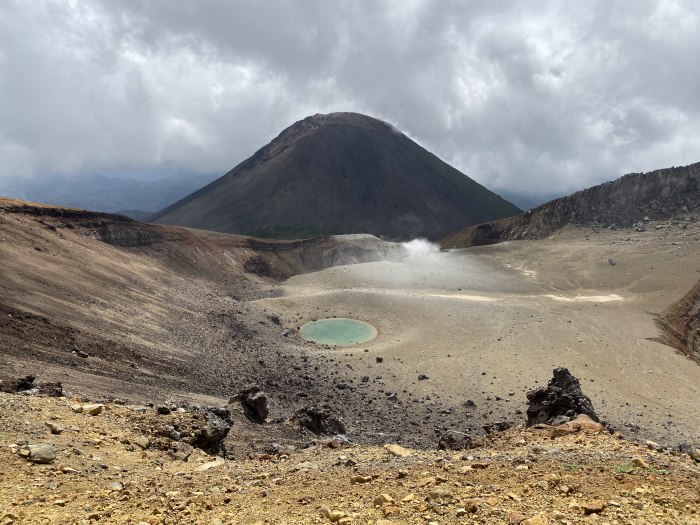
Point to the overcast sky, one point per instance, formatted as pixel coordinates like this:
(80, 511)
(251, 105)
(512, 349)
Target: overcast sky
(532, 97)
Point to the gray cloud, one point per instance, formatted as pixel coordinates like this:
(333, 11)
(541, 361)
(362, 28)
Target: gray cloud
(532, 98)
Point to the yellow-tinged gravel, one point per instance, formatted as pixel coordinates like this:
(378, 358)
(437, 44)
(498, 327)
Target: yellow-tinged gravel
(102, 475)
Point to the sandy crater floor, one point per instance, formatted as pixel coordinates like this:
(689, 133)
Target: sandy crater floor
(489, 323)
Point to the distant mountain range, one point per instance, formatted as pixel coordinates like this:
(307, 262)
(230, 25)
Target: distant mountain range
(339, 173)
(131, 196)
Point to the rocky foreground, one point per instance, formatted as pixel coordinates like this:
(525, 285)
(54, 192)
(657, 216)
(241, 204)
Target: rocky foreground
(70, 461)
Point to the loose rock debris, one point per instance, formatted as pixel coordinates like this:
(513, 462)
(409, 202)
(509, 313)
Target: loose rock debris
(118, 467)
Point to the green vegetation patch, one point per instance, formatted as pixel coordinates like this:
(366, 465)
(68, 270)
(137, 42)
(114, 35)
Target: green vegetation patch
(293, 232)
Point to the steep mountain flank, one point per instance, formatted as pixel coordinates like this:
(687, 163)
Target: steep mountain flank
(339, 173)
(680, 324)
(624, 202)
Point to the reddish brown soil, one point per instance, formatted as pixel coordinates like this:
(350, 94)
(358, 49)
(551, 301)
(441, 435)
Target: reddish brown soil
(102, 474)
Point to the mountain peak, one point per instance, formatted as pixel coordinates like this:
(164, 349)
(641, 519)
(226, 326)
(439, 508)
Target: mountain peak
(347, 119)
(340, 173)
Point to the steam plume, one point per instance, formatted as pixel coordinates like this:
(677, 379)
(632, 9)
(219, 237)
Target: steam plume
(420, 247)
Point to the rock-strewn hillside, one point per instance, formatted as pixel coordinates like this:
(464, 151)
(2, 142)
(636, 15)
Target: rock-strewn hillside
(71, 462)
(111, 305)
(681, 324)
(622, 203)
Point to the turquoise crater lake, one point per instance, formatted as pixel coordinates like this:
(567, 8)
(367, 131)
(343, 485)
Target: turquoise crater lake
(338, 332)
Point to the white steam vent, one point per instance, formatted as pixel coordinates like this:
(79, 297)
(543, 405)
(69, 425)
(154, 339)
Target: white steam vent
(420, 247)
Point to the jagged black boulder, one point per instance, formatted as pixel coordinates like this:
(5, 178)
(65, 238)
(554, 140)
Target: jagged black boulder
(255, 403)
(28, 385)
(25, 383)
(51, 389)
(210, 436)
(320, 420)
(454, 440)
(560, 401)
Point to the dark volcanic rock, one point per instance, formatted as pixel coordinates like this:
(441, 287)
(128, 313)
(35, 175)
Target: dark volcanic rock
(258, 266)
(562, 397)
(453, 440)
(499, 426)
(51, 389)
(27, 384)
(255, 403)
(339, 173)
(217, 424)
(320, 420)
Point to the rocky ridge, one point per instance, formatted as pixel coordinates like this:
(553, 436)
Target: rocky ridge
(629, 201)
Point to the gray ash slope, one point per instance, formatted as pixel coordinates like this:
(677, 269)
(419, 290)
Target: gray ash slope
(339, 173)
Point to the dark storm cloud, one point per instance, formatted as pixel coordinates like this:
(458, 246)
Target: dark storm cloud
(533, 97)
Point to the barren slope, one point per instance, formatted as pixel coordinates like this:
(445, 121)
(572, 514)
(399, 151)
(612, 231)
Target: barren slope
(681, 324)
(172, 312)
(166, 314)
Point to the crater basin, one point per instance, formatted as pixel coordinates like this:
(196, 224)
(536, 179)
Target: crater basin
(338, 331)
